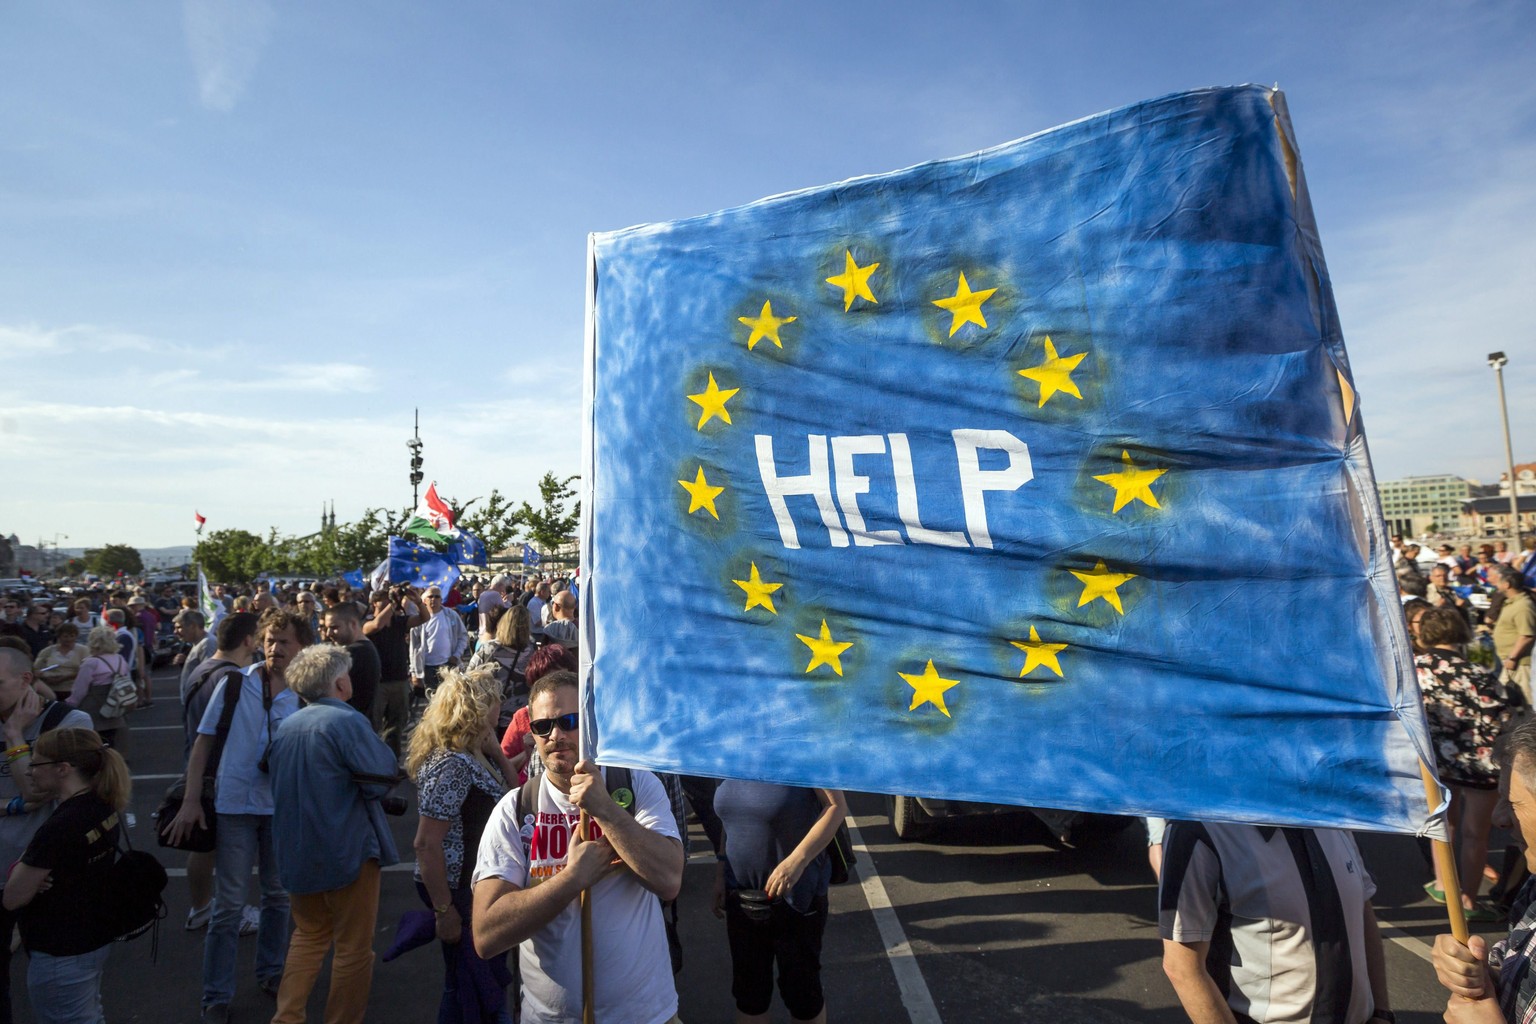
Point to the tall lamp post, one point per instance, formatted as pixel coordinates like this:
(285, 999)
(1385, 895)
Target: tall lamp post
(1497, 360)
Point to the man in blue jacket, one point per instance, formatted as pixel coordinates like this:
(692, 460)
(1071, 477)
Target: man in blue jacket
(328, 770)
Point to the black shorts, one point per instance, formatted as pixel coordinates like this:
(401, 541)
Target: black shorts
(793, 940)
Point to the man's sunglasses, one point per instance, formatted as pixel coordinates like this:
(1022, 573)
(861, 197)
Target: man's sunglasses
(544, 726)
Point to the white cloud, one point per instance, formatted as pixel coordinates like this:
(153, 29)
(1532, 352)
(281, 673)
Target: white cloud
(226, 39)
(331, 378)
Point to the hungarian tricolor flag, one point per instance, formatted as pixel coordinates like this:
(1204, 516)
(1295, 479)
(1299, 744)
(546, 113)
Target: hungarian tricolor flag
(433, 519)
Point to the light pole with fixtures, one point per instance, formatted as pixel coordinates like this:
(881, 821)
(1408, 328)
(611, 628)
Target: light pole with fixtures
(1497, 360)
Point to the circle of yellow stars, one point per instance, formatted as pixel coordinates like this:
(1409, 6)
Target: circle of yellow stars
(1053, 375)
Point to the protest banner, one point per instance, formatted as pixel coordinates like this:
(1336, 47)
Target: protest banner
(1033, 476)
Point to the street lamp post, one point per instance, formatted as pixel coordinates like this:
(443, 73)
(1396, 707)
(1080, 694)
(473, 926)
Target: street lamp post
(1497, 360)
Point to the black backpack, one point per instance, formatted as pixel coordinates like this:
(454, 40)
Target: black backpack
(129, 899)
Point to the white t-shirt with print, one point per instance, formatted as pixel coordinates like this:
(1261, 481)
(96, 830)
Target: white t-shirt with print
(633, 967)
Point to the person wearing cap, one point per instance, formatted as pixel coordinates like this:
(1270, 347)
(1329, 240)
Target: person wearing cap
(148, 622)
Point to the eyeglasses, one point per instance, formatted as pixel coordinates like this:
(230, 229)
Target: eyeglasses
(42, 764)
(544, 726)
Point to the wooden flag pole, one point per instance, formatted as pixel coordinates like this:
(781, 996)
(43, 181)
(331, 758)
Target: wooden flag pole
(589, 979)
(1445, 863)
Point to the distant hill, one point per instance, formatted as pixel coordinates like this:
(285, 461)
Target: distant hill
(154, 558)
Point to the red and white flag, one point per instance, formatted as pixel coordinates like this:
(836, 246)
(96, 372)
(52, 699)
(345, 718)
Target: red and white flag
(201, 519)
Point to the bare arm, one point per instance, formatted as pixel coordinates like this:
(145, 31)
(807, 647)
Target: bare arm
(380, 621)
(656, 860)
(505, 914)
(430, 833)
(834, 808)
(23, 886)
(191, 812)
(27, 708)
(1184, 963)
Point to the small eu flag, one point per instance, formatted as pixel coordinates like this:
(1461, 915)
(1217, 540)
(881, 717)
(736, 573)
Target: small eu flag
(413, 563)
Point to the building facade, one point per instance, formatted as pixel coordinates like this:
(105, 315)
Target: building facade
(1489, 517)
(1417, 505)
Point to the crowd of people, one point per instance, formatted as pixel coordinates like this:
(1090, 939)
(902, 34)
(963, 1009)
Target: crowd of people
(304, 708)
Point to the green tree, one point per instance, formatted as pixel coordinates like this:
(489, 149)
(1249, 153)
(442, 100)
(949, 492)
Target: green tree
(232, 556)
(114, 558)
(497, 521)
(550, 525)
(357, 545)
(74, 567)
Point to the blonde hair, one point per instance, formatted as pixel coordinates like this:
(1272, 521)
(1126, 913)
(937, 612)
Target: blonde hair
(99, 764)
(101, 640)
(455, 717)
(513, 629)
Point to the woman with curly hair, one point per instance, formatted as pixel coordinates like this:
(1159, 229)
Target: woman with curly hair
(460, 774)
(1466, 707)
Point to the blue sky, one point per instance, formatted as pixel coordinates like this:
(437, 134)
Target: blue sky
(239, 242)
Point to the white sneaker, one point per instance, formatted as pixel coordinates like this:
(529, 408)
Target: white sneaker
(198, 917)
(250, 920)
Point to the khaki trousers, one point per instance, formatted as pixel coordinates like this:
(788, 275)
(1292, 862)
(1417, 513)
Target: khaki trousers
(345, 917)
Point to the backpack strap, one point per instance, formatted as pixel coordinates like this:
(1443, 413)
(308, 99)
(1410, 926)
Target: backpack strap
(234, 684)
(528, 798)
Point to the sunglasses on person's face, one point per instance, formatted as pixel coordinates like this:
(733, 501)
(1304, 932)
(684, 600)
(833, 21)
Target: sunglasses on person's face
(544, 726)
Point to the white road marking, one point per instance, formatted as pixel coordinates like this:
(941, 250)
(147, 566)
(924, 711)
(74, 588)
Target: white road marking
(909, 977)
(1418, 947)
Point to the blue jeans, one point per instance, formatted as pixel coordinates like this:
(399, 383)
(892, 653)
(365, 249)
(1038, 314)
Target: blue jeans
(67, 989)
(245, 841)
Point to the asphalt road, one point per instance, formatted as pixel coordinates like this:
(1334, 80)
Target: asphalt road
(982, 924)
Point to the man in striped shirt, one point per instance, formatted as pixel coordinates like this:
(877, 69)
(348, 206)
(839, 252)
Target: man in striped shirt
(1262, 925)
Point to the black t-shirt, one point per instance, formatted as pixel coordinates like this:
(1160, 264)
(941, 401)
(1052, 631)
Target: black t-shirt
(367, 671)
(77, 844)
(392, 643)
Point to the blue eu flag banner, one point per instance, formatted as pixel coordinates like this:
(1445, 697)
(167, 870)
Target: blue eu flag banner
(354, 579)
(1035, 476)
(467, 549)
(418, 565)
(530, 556)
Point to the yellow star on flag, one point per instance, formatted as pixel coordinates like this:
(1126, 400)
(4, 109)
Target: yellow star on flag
(1100, 583)
(711, 402)
(825, 650)
(854, 281)
(765, 325)
(1055, 374)
(759, 594)
(964, 306)
(1132, 484)
(1038, 653)
(929, 688)
(701, 495)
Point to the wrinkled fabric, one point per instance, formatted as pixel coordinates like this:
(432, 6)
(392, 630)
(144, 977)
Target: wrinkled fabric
(1105, 537)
